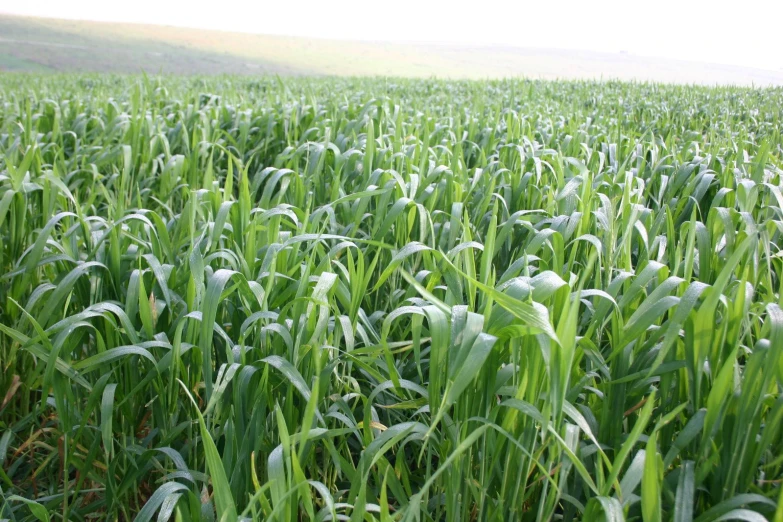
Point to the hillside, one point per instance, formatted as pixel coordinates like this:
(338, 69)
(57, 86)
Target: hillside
(41, 44)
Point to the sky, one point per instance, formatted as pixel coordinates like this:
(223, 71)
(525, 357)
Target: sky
(716, 31)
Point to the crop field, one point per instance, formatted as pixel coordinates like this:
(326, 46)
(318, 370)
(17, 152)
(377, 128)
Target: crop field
(372, 299)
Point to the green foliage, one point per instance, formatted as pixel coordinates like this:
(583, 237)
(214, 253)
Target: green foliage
(332, 299)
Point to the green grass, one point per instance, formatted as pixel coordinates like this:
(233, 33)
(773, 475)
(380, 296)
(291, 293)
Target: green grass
(361, 299)
(14, 64)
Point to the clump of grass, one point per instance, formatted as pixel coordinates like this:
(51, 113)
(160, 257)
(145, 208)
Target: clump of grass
(374, 300)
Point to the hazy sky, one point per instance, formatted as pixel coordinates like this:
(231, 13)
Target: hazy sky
(741, 33)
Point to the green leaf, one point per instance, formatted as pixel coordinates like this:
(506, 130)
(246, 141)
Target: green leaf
(224, 500)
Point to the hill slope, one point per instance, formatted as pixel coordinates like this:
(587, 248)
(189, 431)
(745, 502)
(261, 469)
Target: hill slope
(42, 44)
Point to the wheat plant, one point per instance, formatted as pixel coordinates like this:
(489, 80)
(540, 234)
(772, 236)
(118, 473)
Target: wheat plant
(394, 300)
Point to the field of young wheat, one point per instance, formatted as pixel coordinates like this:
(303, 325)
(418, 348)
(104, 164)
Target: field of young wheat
(321, 299)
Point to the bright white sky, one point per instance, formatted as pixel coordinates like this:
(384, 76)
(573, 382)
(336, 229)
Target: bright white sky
(745, 32)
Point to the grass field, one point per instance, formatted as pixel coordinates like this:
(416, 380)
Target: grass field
(68, 45)
(325, 299)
